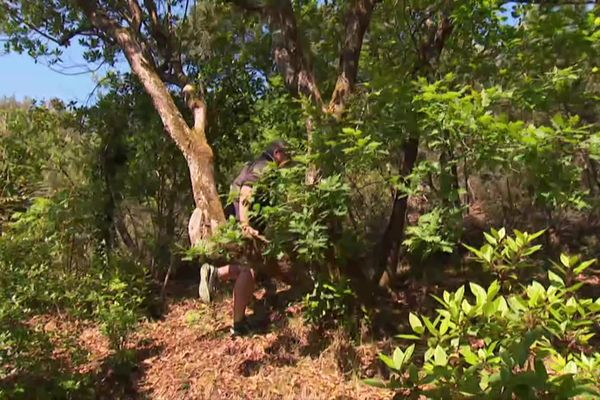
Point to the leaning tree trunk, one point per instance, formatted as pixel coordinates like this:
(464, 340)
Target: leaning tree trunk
(192, 142)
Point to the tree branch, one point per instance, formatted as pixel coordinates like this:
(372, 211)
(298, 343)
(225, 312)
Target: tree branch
(288, 51)
(145, 70)
(136, 15)
(357, 22)
(63, 40)
(172, 67)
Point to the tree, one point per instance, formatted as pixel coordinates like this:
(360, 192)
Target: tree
(146, 34)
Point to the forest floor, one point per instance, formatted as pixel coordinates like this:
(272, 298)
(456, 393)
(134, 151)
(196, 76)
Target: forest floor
(189, 354)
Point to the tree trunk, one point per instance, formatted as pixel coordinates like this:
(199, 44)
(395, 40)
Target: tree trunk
(192, 142)
(389, 248)
(357, 22)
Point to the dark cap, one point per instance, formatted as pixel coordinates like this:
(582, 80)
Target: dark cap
(276, 145)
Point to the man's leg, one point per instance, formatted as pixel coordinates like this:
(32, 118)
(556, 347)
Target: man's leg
(228, 272)
(242, 293)
(210, 275)
(243, 289)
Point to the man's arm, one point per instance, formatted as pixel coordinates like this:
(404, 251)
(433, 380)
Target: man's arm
(245, 201)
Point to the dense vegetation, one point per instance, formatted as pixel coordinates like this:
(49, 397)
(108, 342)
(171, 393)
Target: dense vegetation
(453, 128)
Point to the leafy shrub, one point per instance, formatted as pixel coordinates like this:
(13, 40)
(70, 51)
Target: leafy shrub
(298, 219)
(504, 256)
(529, 344)
(435, 232)
(118, 311)
(330, 301)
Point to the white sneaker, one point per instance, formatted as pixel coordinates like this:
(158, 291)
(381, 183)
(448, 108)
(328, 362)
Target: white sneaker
(208, 282)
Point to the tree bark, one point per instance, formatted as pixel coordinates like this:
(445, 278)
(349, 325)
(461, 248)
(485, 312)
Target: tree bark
(192, 142)
(289, 53)
(357, 22)
(389, 248)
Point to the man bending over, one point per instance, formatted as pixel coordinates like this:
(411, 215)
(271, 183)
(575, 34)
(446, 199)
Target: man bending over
(244, 276)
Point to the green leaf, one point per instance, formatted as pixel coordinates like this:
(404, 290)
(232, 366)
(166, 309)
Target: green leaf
(491, 240)
(501, 233)
(501, 306)
(458, 296)
(555, 279)
(516, 304)
(444, 326)
(413, 373)
(493, 290)
(536, 235)
(430, 326)
(409, 337)
(479, 292)
(469, 356)
(376, 383)
(564, 259)
(571, 306)
(466, 307)
(570, 368)
(441, 301)
(583, 266)
(446, 297)
(415, 324)
(388, 361)
(408, 353)
(398, 358)
(487, 253)
(473, 250)
(439, 356)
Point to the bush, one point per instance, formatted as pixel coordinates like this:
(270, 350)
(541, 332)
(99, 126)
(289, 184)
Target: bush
(118, 311)
(332, 302)
(437, 231)
(299, 220)
(506, 257)
(533, 343)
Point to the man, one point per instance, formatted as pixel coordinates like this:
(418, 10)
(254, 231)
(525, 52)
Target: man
(244, 276)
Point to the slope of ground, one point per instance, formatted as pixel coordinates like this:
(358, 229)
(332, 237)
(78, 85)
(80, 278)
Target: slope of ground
(199, 360)
(189, 354)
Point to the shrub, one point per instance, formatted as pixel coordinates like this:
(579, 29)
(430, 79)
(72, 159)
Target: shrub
(436, 231)
(533, 343)
(331, 301)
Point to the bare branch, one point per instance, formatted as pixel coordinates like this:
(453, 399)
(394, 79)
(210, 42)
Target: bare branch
(63, 40)
(172, 67)
(84, 71)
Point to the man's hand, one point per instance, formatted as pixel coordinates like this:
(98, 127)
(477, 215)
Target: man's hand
(252, 233)
(249, 231)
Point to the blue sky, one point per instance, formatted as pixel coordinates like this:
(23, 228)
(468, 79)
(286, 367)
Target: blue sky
(21, 76)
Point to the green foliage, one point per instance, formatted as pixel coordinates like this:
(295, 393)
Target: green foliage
(53, 257)
(533, 343)
(331, 301)
(118, 311)
(505, 256)
(297, 218)
(91, 196)
(436, 232)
